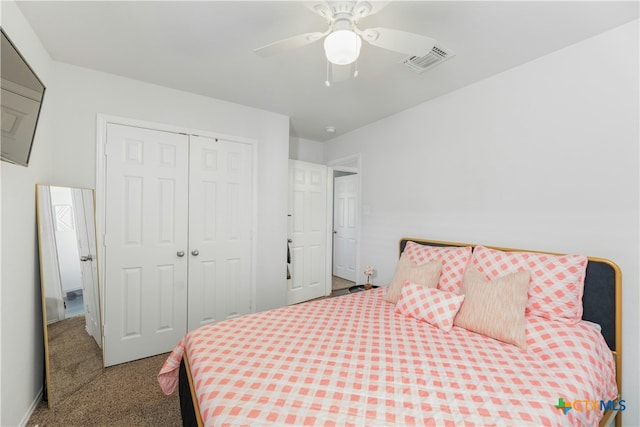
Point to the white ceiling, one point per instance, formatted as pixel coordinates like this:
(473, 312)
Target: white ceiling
(206, 47)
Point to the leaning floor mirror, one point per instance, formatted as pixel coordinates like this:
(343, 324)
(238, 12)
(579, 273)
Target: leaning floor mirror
(70, 291)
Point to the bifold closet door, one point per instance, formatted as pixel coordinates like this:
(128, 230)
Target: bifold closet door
(220, 202)
(146, 232)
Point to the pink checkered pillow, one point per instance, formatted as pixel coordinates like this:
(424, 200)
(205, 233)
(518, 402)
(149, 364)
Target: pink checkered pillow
(454, 261)
(436, 307)
(556, 285)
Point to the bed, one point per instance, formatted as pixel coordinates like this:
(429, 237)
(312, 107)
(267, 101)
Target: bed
(360, 359)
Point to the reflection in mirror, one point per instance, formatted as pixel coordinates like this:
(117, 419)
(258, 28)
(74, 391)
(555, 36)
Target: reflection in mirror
(70, 292)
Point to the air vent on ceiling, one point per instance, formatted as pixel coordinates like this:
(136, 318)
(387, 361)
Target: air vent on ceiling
(420, 64)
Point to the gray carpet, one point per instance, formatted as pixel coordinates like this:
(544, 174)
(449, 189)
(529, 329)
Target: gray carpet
(74, 358)
(123, 395)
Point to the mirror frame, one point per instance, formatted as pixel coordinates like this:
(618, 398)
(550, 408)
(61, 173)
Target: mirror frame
(47, 355)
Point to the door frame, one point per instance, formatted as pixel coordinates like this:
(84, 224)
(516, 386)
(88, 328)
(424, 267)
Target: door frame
(102, 120)
(351, 163)
(328, 287)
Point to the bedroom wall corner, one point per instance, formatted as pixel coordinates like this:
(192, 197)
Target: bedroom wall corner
(306, 150)
(21, 337)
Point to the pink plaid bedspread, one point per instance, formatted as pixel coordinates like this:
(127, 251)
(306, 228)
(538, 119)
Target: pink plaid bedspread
(352, 360)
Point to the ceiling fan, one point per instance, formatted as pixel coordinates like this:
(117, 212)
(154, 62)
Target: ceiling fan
(344, 38)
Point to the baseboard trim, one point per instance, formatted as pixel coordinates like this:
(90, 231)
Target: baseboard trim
(32, 408)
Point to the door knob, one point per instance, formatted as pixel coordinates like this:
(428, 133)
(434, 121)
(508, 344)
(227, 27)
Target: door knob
(195, 252)
(180, 254)
(86, 258)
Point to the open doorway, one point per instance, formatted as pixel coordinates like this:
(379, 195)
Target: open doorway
(346, 219)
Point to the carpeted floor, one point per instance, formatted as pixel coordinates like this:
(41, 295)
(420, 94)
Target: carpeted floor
(85, 394)
(74, 358)
(338, 283)
(126, 395)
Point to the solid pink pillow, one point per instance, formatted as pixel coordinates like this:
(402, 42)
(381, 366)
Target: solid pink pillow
(495, 308)
(454, 262)
(436, 307)
(556, 285)
(426, 274)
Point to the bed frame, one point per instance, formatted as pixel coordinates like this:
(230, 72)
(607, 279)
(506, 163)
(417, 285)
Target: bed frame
(602, 304)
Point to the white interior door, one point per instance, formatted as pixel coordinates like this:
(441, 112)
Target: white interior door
(220, 201)
(84, 209)
(146, 221)
(307, 231)
(50, 267)
(345, 202)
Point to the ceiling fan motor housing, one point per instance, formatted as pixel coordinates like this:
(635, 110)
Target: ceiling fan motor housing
(344, 38)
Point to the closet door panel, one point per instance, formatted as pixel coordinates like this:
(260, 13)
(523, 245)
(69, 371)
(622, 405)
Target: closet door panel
(219, 230)
(146, 230)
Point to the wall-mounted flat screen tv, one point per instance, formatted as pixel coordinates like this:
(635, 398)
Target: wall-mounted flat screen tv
(22, 94)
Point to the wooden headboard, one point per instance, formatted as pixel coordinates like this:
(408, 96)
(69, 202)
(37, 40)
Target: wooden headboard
(601, 301)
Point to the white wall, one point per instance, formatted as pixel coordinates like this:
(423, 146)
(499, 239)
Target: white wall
(544, 156)
(64, 155)
(21, 340)
(306, 150)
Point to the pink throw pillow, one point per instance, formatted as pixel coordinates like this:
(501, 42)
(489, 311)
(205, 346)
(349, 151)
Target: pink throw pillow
(495, 308)
(556, 285)
(454, 262)
(436, 307)
(424, 274)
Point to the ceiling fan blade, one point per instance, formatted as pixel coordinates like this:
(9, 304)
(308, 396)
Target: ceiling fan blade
(321, 8)
(399, 41)
(363, 9)
(288, 44)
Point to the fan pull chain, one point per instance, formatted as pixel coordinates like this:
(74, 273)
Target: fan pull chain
(329, 76)
(355, 73)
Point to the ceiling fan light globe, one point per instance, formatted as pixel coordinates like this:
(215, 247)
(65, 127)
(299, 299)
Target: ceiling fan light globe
(342, 47)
